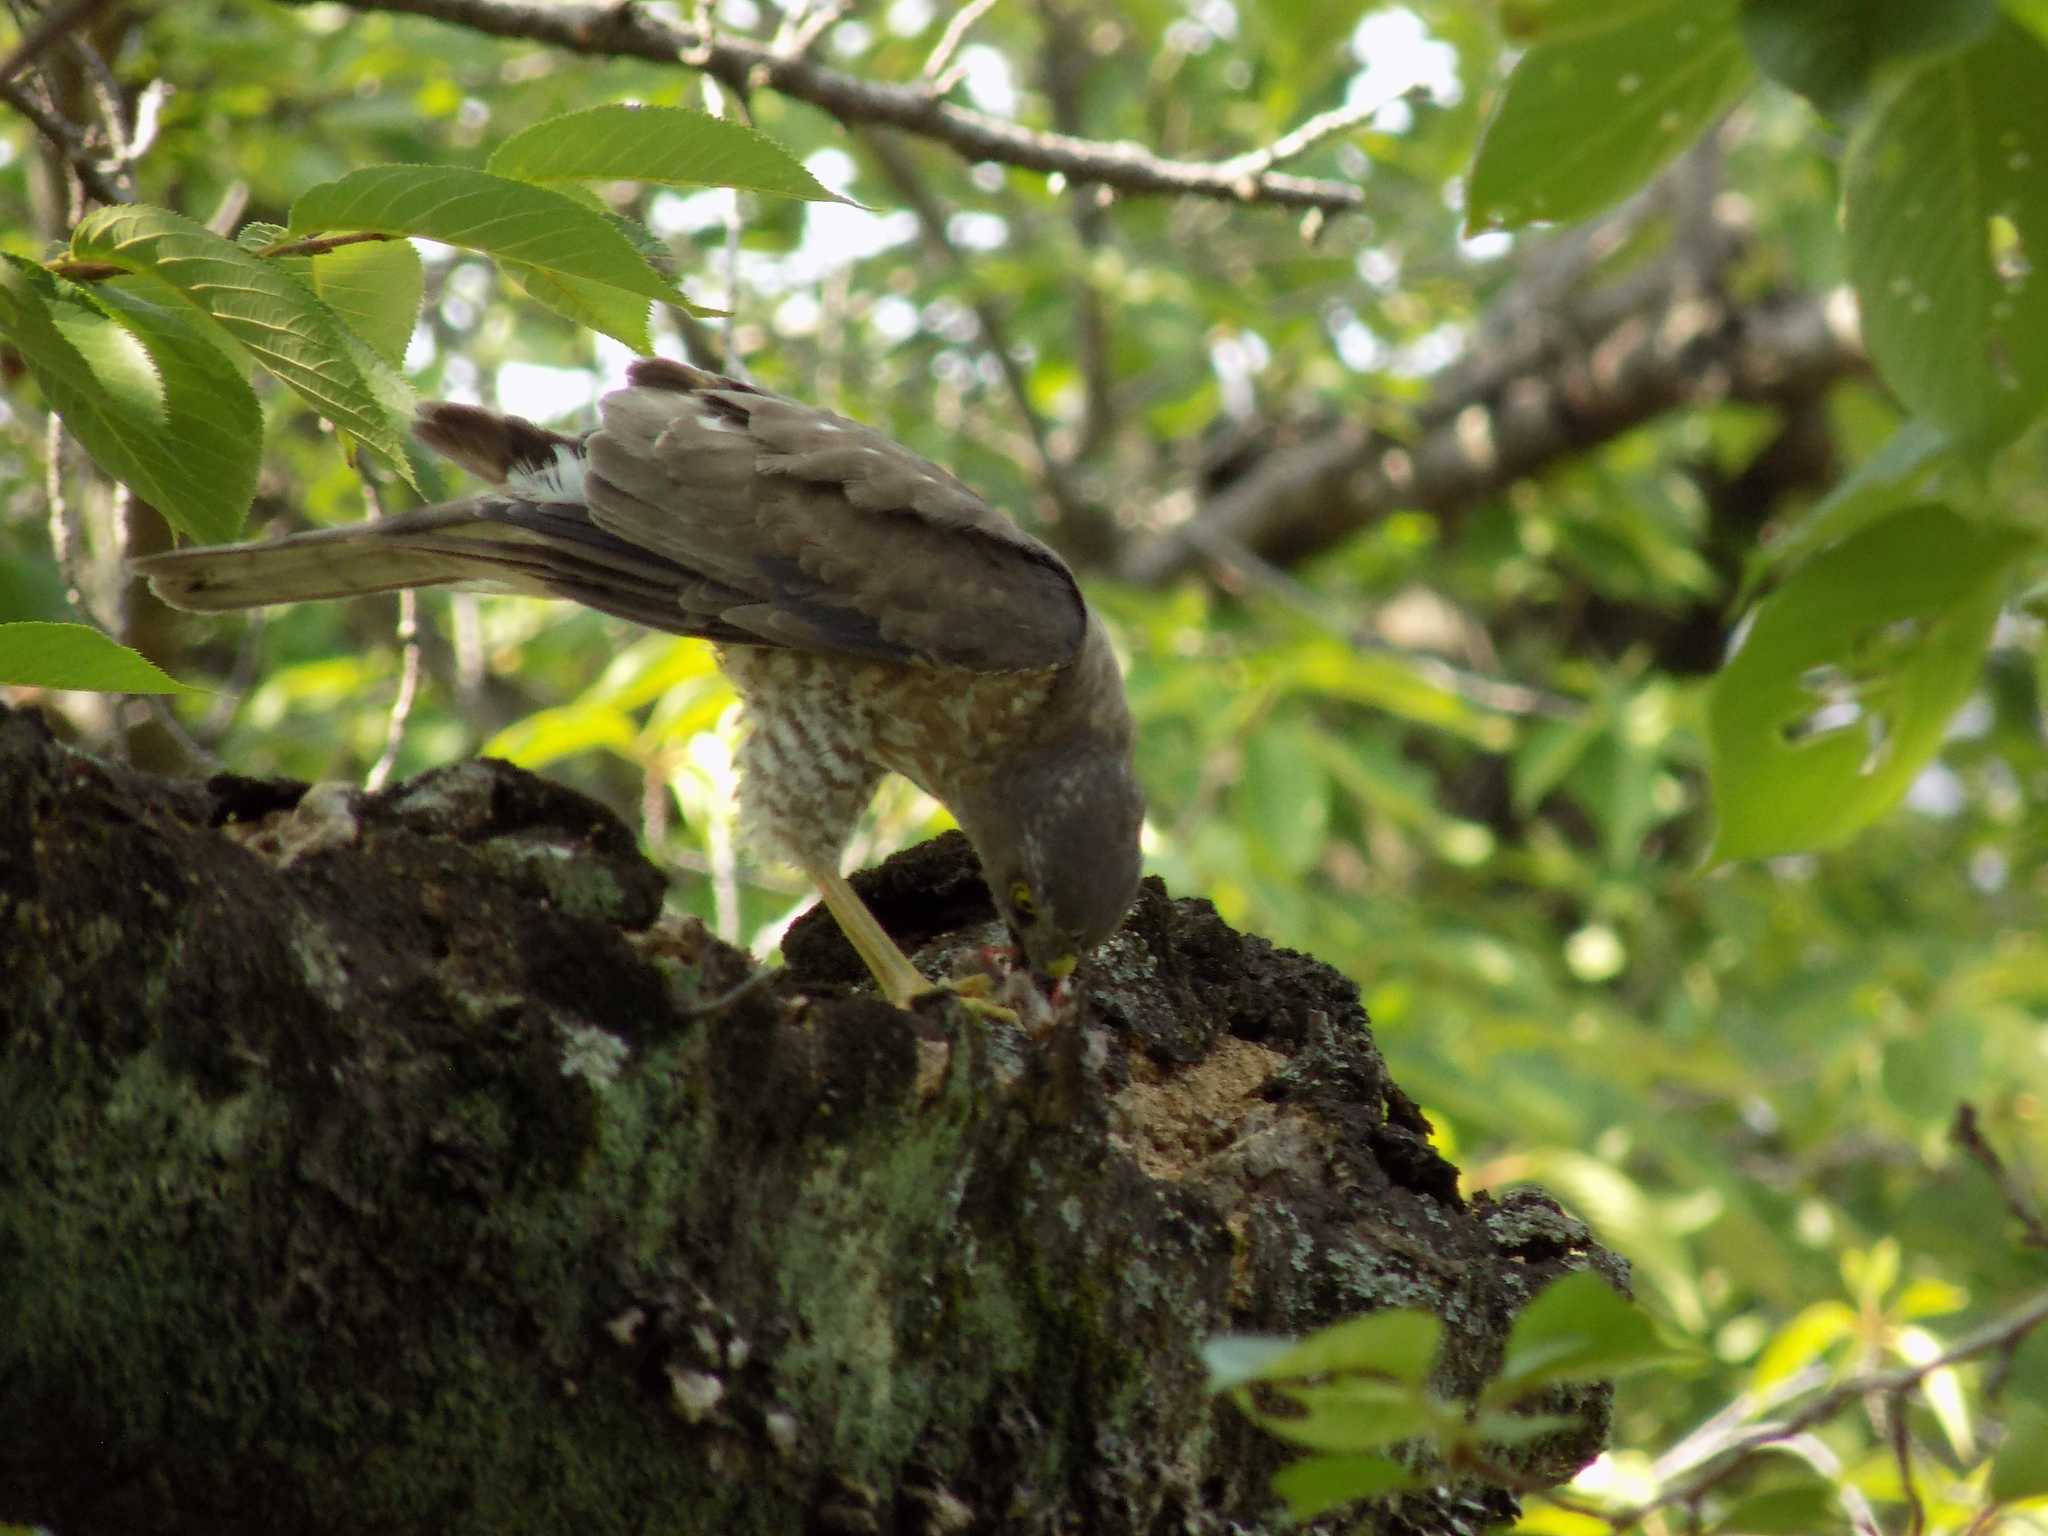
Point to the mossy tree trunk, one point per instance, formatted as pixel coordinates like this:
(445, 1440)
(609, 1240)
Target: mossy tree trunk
(392, 1163)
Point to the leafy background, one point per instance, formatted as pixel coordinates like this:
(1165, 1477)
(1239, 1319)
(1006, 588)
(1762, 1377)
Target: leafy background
(1712, 949)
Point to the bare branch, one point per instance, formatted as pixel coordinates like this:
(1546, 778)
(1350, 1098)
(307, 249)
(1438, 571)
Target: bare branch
(931, 220)
(68, 143)
(950, 41)
(1672, 347)
(629, 31)
(1969, 1135)
(54, 25)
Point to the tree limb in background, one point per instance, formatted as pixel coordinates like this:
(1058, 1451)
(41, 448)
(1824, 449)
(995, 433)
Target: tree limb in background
(1670, 346)
(627, 31)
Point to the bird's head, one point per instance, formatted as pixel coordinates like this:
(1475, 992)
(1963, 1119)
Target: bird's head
(1057, 835)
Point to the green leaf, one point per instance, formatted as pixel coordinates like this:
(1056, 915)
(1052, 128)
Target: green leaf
(1316, 1485)
(376, 288)
(620, 315)
(1829, 50)
(153, 400)
(1552, 21)
(41, 655)
(511, 221)
(1400, 1344)
(1349, 1415)
(2020, 1470)
(279, 320)
(1879, 485)
(1578, 1330)
(674, 146)
(1946, 209)
(1585, 121)
(1285, 796)
(1849, 676)
(1797, 1505)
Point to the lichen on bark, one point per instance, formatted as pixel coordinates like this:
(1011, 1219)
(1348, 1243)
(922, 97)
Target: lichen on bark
(391, 1161)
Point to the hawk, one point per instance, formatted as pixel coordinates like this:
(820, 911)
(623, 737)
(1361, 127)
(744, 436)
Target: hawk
(874, 614)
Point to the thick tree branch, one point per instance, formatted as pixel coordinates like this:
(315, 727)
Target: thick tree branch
(389, 1161)
(628, 31)
(1620, 358)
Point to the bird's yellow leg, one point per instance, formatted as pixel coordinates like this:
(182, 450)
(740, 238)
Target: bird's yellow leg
(901, 982)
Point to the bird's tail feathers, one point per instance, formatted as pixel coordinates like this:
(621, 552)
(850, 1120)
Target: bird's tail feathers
(436, 546)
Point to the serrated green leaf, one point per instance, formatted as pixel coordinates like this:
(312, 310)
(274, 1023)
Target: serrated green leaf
(376, 288)
(1579, 1329)
(1587, 120)
(1316, 1485)
(40, 655)
(1829, 50)
(185, 433)
(612, 311)
(1842, 690)
(672, 146)
(1946, 208)
(508, 220)
(279, 320)
(2020, 1470)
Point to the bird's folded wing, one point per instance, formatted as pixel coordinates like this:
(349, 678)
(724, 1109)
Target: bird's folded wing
(840, 539)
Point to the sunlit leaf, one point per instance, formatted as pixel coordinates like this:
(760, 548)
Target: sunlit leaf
(1349, 1414)
(39, 655)
(1578, 1329)
(1314, 1485)
(513, 221)
(1848, 677)
(376, 288)
(1401, 1344)
(153, 399)
(1946, 208)
(674, 146)
(1587, 120)
(284, 326)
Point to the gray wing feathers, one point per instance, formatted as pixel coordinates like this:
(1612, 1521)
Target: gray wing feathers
(844, 540)
(712, 509)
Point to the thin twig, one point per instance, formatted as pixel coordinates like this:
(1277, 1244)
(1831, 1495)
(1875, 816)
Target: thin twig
(632, 31)
(2019, 1200)
(1900, 1437)
(949, 43)
(1323, 125)
(67, 142)
(802, 34)
(1745, 1448)
(408, 636)
(902, 172)
(36, 40)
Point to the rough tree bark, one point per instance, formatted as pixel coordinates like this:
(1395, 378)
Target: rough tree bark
(392, 1163)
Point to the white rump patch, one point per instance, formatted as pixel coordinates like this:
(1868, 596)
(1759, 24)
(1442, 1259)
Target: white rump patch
(558, 482)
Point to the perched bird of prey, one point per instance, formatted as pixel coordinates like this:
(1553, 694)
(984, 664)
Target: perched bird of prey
(874, 614)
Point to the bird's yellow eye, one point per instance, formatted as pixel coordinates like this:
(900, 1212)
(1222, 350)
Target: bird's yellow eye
(1020, 899)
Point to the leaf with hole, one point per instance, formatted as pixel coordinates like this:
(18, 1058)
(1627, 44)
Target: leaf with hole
(1945, 203)
(1848, 678)
(1585, 121)
(39, 655)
